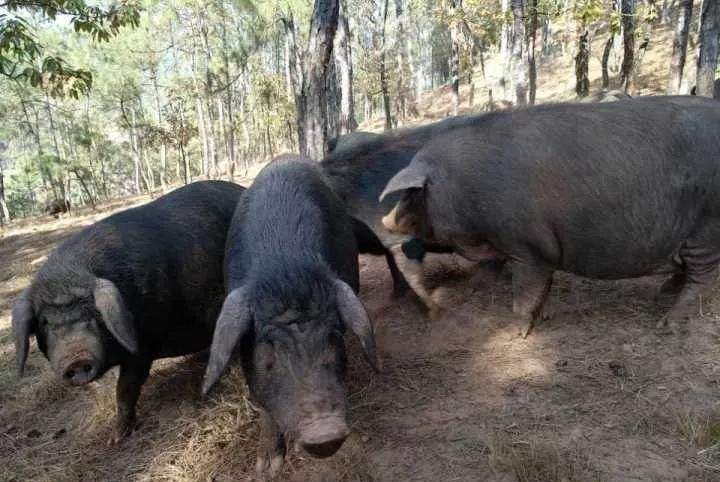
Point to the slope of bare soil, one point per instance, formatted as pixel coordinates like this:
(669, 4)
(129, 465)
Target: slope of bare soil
(594, 394)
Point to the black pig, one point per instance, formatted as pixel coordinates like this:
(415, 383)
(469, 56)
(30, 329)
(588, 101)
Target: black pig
(612, 190)
(359, 166)
(139, 285)
(291, 268)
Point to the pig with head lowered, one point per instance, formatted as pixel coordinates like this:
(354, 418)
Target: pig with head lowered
(358, 167)
(142, 284)
(608, 191)
(291, 268)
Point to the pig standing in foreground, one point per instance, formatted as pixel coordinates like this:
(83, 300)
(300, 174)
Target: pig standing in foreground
(139, 285)
(291, 268)
(608, 191)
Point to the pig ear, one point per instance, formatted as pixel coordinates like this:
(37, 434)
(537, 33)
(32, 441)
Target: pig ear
(23, 325)
(355, 317)
(411, 177)
(118, 320)
(234, 321)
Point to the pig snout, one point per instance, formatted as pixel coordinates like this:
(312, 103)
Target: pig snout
(322, 438)
(80, 369)
(389, 221)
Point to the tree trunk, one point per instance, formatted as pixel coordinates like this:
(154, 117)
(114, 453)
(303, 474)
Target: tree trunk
(202, 129)
(383, 72)
(230, 121)
(212, 169)
(163, 146)
(708, 36)
(135, 152)
(506, 52)
(456, 45)
(405, 90)
(84, 186)
(680, 41)
(628, 32)
(245, 90)
(332, 90)
(343, 61)
(605, 59)
(293, 73)
(582, 62)
(312, 103)
(3, 205)
(519, 66)
(532, 67)
(181, 146)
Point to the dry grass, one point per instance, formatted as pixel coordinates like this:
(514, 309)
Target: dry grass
(700, 430)
(535, 457)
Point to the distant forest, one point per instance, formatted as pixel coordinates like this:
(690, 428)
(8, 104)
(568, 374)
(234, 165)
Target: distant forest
(100, 100)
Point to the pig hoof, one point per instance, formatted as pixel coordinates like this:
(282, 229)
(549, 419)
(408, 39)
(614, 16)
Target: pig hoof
(268, 466)
(525, 330)
(122, 431)
(399, 291)
(116, 438)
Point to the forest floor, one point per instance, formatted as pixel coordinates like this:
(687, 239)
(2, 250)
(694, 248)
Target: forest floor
(594, 394)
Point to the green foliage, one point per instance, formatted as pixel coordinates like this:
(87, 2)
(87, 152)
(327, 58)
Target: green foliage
(586, 12)
(202, 84)
(21, 54)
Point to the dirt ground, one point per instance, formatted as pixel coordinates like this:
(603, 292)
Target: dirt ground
(594, 394)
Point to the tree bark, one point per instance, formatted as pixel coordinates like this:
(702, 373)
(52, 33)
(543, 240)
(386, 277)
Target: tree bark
(202, 129)
(163, 146)
(405, 101)
(312, 103)
(212, 170)
(455, 47)
(680, 42)
(605, 59)
(627, 68)
(293, 74)
(708, 36)
(383, 72)
(519, 66)
(582, 62)
(3, 203)
(332, 90)
(230, 120)
(506, 52)
(343, 61)
(532, 67)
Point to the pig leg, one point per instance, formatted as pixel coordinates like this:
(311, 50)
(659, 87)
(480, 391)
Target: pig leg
(131, 379)
(531, 283)
(369, 243)
(400, 284)
(673, 285)
(413, 271)
(700, 259)
(271, 449)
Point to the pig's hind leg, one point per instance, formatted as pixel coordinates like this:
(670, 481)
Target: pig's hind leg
(700, 256)
(531, 283)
